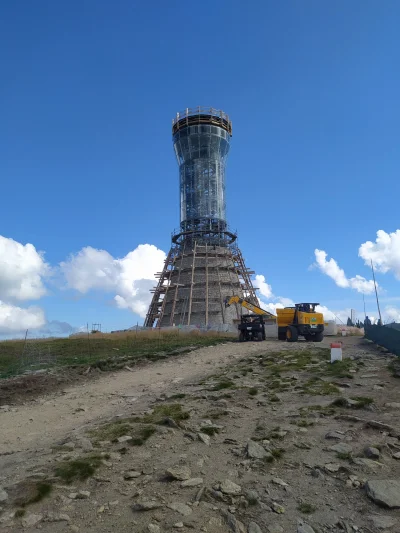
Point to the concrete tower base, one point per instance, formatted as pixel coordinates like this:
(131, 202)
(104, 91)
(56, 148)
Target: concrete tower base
(194, 284)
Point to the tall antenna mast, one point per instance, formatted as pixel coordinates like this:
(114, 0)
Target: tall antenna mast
(365, 314)
(376, 294)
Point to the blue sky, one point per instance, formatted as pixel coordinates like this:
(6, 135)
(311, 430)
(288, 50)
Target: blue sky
(88, 91)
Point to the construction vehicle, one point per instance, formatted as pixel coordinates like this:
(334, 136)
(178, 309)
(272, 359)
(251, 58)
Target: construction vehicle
(300, 320)
(252, 326)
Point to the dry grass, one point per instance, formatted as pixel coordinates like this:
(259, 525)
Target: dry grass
(351, 331)
(154, 334)
(106, 351)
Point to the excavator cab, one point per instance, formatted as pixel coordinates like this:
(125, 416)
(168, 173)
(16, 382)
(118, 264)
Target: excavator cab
(251, 328)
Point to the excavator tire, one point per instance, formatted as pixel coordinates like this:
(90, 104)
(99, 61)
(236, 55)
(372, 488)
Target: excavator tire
(259, 336)
(292, 334)
(241, 337)
(318, 337)
(309, 337)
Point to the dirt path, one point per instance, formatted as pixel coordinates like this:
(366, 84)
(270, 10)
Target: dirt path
(46, 420)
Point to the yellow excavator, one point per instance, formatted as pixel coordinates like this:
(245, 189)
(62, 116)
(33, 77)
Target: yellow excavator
(300, 320)
(252, 326)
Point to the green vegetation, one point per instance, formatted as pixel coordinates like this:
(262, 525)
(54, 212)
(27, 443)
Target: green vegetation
(323, 410)
(78, 469)
(253, 391)
(162, 412)
(344, 456)
(362, 401)
(178, 396)
(318, 387)
(224, 384)
(94, 350)
(394, 368)
(43, 490)
(19, 513)
(340, 402)
(142, 435)
(209, 430)
(304, 423)
(296, 360)
(340, 369)
(306, 508)
(111, 431)
(274, 398)
(268, 459)
(275, 434)
(277, 453)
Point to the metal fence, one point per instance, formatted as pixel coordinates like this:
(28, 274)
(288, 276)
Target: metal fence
(385, 336)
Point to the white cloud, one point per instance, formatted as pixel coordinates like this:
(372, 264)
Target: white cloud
(129, 278)
(265, 289)
(22, 269)
(391, 314)
(384, 252)
(332, 269)
(16, 319)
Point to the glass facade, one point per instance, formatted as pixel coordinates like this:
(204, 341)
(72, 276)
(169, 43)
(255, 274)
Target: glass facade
(201, 152)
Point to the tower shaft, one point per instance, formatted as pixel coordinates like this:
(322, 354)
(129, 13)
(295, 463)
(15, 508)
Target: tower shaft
(204, 265)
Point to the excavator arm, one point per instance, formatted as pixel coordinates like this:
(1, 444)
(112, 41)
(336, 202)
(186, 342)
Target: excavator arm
(248, 305)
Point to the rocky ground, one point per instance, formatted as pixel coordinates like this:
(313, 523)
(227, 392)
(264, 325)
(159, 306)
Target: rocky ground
(247, 438)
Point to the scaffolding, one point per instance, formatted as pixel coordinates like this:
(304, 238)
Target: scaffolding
(194, 283)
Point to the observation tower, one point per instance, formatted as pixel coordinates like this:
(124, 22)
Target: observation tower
(204, 265)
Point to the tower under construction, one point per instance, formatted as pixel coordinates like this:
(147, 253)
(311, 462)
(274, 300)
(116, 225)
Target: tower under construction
(204, 265)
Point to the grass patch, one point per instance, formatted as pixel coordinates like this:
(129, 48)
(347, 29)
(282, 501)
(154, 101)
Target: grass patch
(394, 368)
(142, 435)
(253, 391)
(344, 456)
(44, 489)
(306, 508)
(19, 513)
(78, 469)
(111, 431)
(209, 430)
(277, 453)
(269, 459)
(215, 414)
(340, 402)
(340, 369)
(274, 398)
(252, 501)
(304, 423)
(318, 387)
(226, 396)
(178, 396)
(161, 412)
(224, 384)
(362, 401)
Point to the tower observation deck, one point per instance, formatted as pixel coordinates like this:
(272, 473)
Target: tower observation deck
(204, 265)
(201, 138)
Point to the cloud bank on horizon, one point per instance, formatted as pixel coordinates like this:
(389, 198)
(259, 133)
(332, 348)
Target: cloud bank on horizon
(25, 276)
